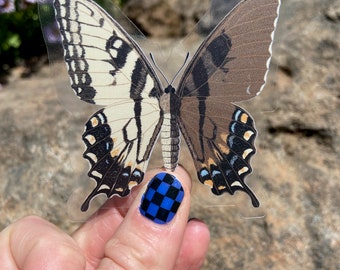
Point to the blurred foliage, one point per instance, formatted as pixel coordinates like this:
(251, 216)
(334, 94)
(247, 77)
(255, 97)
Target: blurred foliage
(20, 36)
(21, 39)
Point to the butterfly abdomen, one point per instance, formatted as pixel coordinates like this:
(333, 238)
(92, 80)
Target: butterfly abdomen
(170, 135)
(170, 140)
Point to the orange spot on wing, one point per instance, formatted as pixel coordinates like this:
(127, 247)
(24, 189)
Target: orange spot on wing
(244, 118)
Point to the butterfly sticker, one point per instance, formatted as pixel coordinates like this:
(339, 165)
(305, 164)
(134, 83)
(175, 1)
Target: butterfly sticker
(107, 67)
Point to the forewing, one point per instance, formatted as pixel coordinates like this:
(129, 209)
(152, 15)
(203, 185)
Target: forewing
(104, 64)
(230, 66)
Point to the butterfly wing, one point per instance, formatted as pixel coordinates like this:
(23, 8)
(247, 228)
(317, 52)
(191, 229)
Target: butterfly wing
(106, 67)
(230, 65)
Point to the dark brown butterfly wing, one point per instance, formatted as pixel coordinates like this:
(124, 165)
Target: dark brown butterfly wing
(230, 66)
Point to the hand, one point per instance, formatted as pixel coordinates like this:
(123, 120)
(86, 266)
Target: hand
(117, 236)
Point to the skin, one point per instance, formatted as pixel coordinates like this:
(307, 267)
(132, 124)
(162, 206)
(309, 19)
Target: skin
(117, 236)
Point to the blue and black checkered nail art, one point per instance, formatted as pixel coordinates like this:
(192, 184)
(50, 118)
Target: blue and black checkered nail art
(162, 198)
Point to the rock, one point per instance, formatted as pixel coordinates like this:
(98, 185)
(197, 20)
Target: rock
(333, 12)
(175, 18)
(296, 170)
(165, 18)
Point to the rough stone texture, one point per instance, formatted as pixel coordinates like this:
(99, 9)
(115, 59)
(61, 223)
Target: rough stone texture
(162, 18)
(296, 170)
(176, 18)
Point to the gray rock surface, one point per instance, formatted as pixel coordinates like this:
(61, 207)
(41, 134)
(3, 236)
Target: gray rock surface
(296, 170)
(176, 18)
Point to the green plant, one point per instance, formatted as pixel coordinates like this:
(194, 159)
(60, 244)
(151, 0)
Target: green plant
(20, 35)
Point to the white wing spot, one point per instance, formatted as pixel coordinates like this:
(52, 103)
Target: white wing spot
(243, 170)
(114, 53)
(246, 152)
(83, 78)
(91, 139)
(247, 135)
(101, 117)
(92, 156)
(96, 174)
(103, 187)
(117, 44)
(236, 183)
(248, 90)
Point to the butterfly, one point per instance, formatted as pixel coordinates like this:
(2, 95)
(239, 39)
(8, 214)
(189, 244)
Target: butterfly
(107, 67)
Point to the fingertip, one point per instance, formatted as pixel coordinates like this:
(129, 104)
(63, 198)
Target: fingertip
(195, 245)
(198, 226)
(198, 229)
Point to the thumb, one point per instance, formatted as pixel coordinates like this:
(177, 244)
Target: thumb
(151, 235)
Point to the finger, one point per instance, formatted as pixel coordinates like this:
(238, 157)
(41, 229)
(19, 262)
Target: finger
(194, 247)
(141, 242)
(93, 235)
(33, 243)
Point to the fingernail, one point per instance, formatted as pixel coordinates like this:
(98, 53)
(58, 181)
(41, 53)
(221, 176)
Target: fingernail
(162, 198)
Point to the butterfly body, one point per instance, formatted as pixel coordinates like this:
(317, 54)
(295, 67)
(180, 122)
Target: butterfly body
(107, 67)
(170, 134)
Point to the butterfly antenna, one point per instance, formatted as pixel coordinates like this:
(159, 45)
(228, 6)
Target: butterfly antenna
(157, 67)
(180, 69)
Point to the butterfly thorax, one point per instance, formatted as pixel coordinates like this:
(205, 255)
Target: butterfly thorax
(170, 135)
(169, 101)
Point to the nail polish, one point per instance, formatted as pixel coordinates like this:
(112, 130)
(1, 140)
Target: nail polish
(162, 198)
